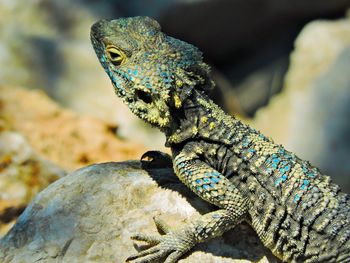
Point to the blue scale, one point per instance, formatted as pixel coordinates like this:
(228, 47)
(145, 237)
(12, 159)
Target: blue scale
(288, 156)
(304, 185)
(215, 173)
(278, 181)
(310, 175)
(215, 180)
(297, 198)
(206, 180)
(275, 160)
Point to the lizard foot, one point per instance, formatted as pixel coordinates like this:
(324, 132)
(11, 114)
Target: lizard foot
(156, 159)
(170, 246)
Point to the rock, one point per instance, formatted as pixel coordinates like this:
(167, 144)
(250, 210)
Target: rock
(64, 137)
(311, 116)
(23, 173)
(89, 215)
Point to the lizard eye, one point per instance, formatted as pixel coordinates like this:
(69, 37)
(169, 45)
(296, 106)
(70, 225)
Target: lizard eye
(115, 55)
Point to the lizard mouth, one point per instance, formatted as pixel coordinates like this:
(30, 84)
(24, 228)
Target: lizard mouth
(146, 97)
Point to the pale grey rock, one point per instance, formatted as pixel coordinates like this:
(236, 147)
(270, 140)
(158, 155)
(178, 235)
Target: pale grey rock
(89, 216)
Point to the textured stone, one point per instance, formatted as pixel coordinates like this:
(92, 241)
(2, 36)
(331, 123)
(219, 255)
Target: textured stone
(89, 215)
(23, 173)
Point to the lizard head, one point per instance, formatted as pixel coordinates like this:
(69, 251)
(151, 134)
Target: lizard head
(152, 72)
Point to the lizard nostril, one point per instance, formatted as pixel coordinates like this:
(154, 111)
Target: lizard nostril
(144, 96)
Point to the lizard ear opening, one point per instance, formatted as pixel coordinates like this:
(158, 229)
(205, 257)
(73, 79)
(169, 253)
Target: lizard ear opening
(181, 94)
(207, 84)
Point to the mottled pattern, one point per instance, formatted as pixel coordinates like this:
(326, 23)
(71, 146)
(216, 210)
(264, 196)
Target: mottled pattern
(296, 211)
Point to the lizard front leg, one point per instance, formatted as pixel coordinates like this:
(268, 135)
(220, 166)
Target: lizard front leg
(211, 186)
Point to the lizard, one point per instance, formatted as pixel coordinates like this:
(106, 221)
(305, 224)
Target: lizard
(296, 211)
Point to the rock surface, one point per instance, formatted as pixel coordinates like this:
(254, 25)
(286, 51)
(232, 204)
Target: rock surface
(23, 173)
(89, 215)
(311, 116)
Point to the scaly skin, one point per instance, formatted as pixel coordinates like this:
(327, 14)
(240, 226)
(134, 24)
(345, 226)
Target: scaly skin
(296, 211)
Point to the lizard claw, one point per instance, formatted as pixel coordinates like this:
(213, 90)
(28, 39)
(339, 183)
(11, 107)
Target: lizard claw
(161, 225)
(170, 246)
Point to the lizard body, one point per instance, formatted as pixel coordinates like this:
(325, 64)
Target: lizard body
(297, 212)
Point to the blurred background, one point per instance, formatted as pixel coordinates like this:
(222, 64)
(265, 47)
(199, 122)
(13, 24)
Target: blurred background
(281, 66)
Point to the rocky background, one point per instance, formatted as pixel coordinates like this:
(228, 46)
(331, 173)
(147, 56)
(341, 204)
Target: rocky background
(281, 66)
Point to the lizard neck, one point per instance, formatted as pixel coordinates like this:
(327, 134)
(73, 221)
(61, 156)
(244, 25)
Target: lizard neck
(199, 118)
